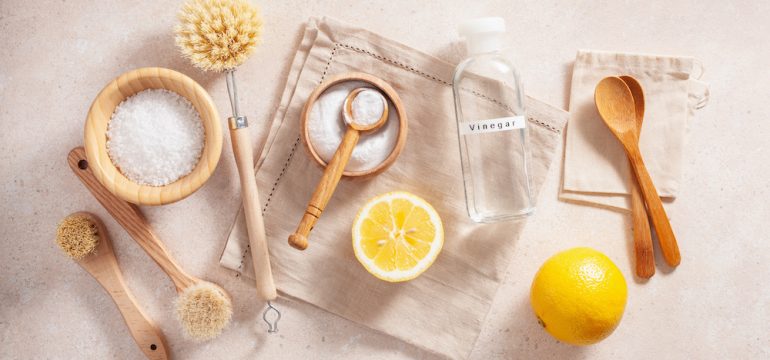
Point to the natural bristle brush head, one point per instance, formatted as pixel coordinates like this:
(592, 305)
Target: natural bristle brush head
(77, 235)
(204, 310)
(218, 35)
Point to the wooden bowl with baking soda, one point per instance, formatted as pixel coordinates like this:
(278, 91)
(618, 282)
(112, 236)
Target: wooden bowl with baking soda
(164, 141)
(397, 115)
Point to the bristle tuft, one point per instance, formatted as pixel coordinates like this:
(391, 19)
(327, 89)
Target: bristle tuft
(77, 236)
(204, 311)
(218, 35)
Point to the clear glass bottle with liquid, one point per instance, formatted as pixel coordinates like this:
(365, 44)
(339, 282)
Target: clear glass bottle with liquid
(491, 127)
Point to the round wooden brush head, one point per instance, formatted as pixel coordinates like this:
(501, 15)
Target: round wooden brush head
(218, 35)
(204, 310)
(77, 236)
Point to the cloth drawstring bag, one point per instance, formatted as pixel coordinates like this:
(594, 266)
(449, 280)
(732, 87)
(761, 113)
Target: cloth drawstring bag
(596, 169)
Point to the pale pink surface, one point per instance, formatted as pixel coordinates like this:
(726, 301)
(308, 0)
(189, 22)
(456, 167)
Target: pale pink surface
(57, 56)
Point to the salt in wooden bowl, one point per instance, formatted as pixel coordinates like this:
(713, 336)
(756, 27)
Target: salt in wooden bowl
(101, 111)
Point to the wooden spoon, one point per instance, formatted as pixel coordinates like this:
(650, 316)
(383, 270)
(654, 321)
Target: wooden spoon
(615, 104)
(334, 169)
(645, 259)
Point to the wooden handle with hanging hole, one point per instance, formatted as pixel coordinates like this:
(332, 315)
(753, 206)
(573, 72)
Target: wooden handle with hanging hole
(103, 266)
(131, 219)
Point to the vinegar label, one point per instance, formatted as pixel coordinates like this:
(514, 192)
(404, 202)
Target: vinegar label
(493, 125)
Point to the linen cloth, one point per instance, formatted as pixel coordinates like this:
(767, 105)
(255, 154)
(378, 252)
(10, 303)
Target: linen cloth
(596, 169)
(441, 311)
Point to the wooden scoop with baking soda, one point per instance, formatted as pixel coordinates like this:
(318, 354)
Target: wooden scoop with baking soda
(364, 110)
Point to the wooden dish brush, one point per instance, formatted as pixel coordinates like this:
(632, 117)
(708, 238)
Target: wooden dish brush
(203, 308)
(219, 35)
(83, 238)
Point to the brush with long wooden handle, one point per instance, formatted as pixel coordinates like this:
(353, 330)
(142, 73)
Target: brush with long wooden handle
(84, 238)
(219, 36)
(203, 308)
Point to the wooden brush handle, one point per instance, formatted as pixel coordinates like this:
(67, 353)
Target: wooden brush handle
(325, 189)
(103, 266)
(144, 332)
(252, 210)
(129, 216)
(645, 260)
(655, 209)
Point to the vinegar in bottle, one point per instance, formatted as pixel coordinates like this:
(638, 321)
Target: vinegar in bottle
(491, 127)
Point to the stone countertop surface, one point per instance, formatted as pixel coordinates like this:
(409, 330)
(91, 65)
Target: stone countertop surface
(57, 55)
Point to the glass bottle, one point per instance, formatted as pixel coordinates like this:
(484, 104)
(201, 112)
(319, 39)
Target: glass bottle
(491, 127)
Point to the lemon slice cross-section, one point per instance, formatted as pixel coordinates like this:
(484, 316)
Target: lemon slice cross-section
(397, 236)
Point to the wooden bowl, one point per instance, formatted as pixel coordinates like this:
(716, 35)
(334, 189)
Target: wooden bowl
(379, 84)
(101, 111)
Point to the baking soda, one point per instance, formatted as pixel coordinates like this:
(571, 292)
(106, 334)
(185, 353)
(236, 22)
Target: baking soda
(326, 127)
(155, 137)
(367, 107)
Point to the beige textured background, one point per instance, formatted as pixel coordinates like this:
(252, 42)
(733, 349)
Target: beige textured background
(56, 55)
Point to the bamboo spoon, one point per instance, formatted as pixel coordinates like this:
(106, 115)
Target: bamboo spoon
(336, 166)
(615, 104)
(204, 309)
(83, 232)
(645, 260)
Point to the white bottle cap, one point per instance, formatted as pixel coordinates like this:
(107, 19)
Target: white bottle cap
(482, 35)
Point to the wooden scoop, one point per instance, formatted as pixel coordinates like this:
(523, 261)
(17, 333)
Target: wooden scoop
(334, 169)
(615, 104)
(645, 259)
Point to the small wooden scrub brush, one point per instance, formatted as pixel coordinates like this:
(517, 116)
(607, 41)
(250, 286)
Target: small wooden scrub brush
(204, 309)
(83, 237)
(218, 35)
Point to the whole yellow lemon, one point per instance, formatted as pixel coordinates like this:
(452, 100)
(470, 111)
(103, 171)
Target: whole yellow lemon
(579, 296)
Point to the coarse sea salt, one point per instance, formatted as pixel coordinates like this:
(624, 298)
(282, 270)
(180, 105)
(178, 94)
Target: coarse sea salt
(155, 137)
(326, 127)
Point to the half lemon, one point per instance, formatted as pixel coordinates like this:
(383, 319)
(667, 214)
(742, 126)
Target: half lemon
(397, 236)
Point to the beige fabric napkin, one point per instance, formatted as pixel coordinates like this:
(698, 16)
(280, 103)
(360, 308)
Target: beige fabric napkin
(443, 310)
(596, 169)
